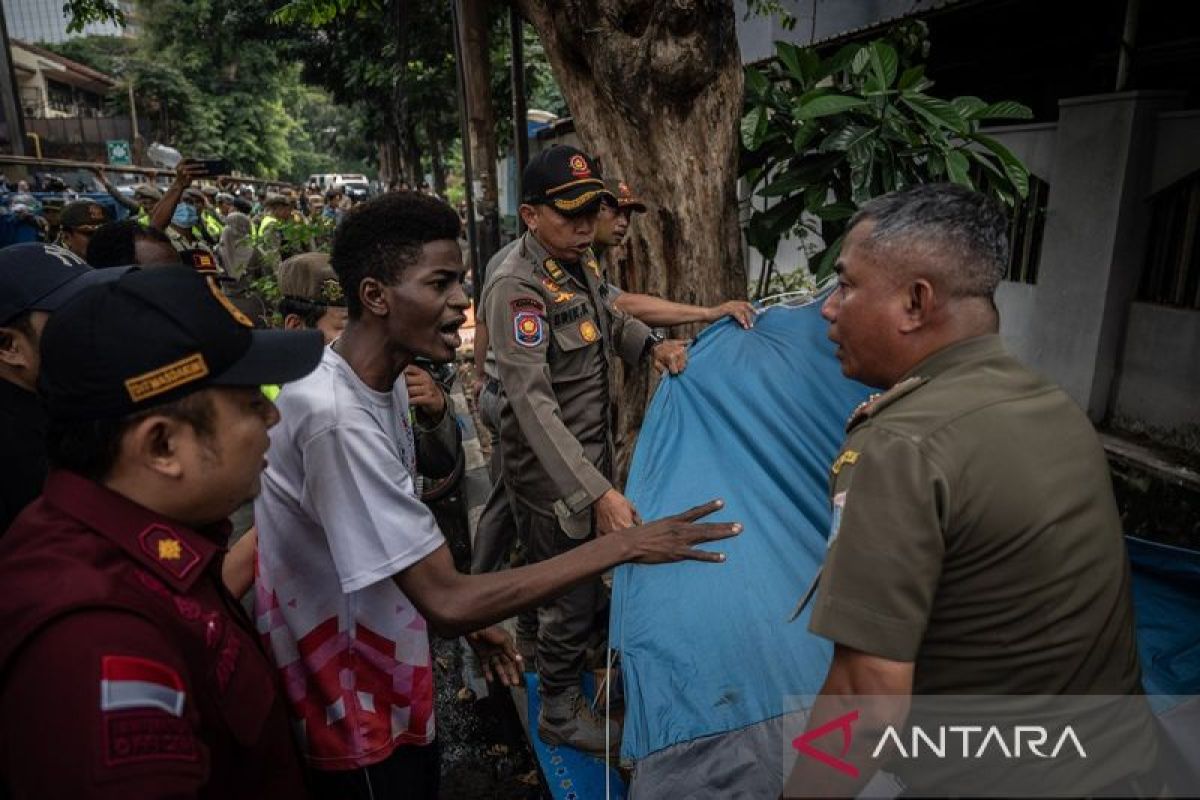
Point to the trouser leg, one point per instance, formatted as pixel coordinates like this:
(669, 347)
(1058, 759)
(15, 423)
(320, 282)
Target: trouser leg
(564, 623)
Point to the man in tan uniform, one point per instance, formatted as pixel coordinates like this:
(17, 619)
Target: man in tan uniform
(553, 331)
(975, 546)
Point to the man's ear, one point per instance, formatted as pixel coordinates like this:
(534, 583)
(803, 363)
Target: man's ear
(154, 444)
(292, 322)
(529, 216)
(372, 295)
(920, 303)
(13, 346)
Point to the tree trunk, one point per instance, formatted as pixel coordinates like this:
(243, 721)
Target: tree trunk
(437, 165)
(655, 90)
(481, 121)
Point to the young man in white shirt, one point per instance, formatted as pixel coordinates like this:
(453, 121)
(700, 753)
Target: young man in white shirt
(352, 565)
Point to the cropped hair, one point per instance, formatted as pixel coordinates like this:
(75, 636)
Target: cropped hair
(114, 243)
(91, 448)
(959, 232)
(382, 237)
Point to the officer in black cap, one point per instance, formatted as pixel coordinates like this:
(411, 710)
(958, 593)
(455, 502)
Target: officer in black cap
(121, 652)
(554, 332)
(35, 279)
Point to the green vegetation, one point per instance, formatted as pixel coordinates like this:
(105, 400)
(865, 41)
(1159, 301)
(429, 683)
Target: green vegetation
(821, 136)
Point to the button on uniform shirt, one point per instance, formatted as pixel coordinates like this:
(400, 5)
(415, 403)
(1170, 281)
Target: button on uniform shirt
(553, 333)
(976, 535)
(338, 517)
(128, 671)
(23, 467)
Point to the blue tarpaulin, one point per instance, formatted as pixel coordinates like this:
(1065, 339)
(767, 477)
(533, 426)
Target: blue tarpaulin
(756, 419)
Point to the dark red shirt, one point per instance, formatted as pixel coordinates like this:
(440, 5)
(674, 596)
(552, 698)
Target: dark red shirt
(126, 668)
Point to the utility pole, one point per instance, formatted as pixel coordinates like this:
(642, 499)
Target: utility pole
(13, 117)
(520, 112)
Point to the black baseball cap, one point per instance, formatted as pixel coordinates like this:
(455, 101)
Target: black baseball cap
(41, 277)
(156, 336)
(82, 215)
(564, 178)
(621, 196)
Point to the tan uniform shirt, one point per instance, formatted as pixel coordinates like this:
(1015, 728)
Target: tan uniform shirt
(553, 337)
(975, 534)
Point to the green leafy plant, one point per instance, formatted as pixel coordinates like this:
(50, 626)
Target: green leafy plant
(821, 136)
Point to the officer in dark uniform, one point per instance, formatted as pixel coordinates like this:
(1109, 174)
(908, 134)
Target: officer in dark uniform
(127, 668)
(553, 330)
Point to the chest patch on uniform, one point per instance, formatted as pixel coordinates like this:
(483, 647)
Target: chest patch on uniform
(128, 682)
(166, 548)
(563, 297)
(528, 329)
(847, 457)
(594, 266)
(835, 522)
(551, 286)
(587, 329)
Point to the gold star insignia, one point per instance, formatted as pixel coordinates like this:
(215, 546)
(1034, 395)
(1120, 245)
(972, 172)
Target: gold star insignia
(170, 549)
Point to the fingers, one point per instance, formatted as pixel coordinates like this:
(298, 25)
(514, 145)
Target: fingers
(704, 555)
(708, 531)
(700, 511)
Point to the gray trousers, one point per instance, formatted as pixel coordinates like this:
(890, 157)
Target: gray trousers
(565, 624)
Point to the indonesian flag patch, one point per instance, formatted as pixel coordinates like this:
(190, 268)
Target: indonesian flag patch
(127, 682)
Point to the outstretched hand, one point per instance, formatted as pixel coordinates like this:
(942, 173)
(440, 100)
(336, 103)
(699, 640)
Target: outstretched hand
(674, 538)
(498, 655)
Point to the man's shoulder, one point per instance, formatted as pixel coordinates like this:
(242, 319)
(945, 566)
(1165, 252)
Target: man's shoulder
(968, 395)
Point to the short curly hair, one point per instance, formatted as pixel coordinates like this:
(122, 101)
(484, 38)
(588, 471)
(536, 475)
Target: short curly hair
(381, 237)
(114, 243)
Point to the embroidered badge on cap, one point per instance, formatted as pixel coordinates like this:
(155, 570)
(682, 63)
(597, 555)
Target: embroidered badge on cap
(204, 262)
(166, 548)
(331, 292)
(528, 329)
(579, 167)
(587, 329)
(164, 379)
(129, 682)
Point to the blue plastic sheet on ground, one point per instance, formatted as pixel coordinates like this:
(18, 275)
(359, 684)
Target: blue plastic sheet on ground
(756, 419)
(570, 774)
(1166, 600)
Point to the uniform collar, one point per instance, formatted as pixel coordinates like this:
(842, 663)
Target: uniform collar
(176, 553)
(536, 252)
(957, 354)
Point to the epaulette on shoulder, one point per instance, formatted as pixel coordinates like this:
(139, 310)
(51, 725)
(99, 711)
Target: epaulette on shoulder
(881, 400)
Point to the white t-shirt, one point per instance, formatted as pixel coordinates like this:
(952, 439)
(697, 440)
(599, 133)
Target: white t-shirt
(338, 516)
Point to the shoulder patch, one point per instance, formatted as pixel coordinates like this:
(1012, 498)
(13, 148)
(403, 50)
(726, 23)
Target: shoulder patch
(167, 548)
(847, 457)
(529, 329)
(530, 304)
(142, 737)
(876, 402)
(129, 682)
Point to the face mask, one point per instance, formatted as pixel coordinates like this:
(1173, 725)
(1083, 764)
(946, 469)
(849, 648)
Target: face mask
(185, 216)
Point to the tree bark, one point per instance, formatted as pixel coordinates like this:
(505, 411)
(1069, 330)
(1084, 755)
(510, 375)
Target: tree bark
(655, 90)
(481, 121)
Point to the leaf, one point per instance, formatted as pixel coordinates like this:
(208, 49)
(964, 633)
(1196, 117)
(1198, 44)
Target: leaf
(861, 60)
(967, 106)
(884, 62)
(800, 174)
(750, 127)
(938, 112)
(958, 168)
(847, 137)
(836, 211)
(789, 55)
(826, 259)
(827, 105)
(1005, 109)
(756, 83)
(1013, 168)
(911, 77)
